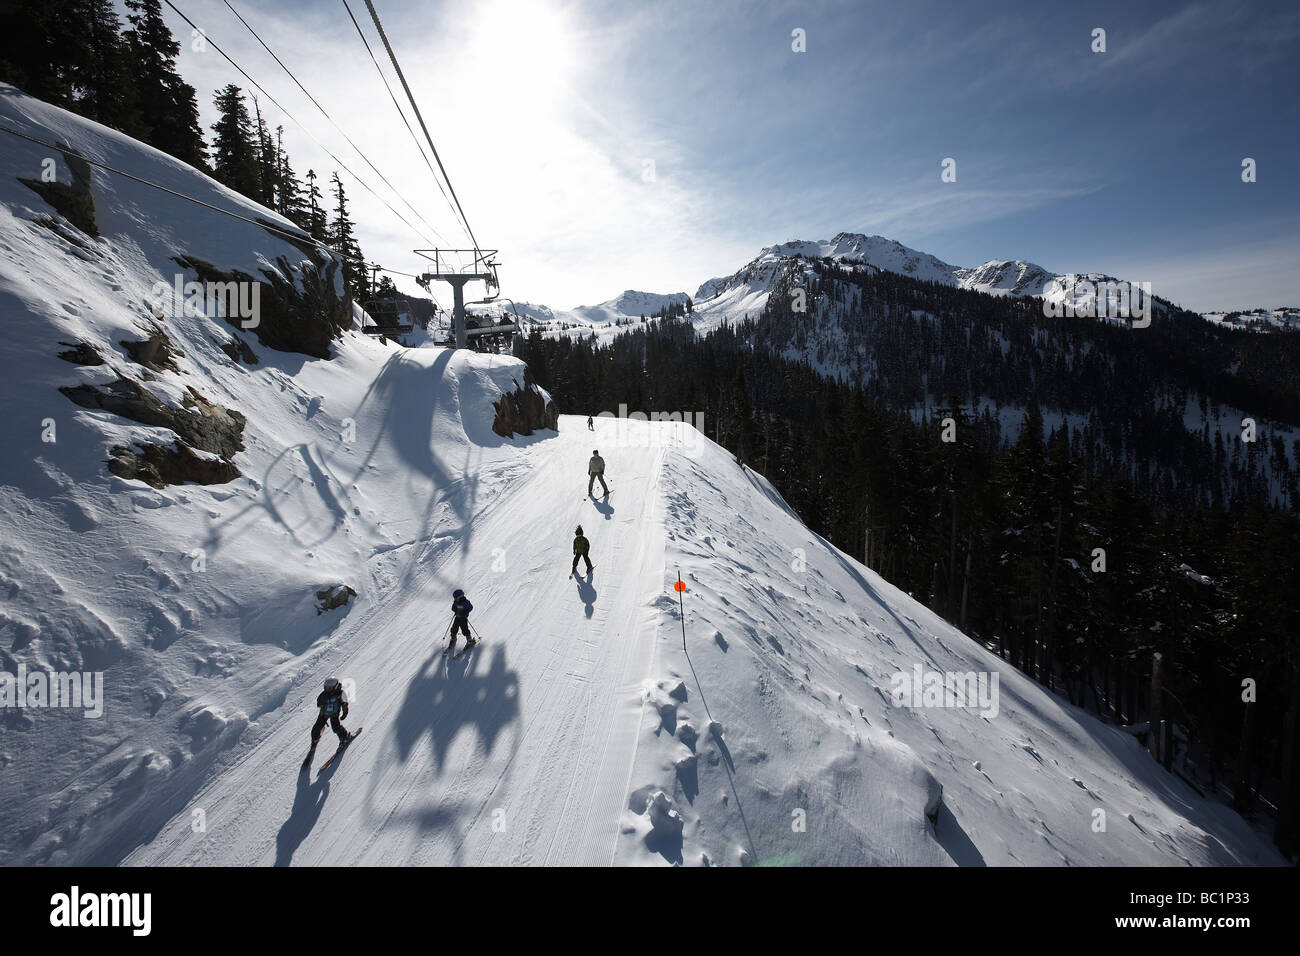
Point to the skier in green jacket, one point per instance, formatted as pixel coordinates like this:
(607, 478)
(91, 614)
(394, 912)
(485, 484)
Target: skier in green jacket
(580, 548)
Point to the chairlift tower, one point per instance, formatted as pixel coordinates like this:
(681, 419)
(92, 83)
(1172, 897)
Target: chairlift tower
(449, 265)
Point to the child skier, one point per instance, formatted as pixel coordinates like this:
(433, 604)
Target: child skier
(591, 426)
(596, 470)
(580, 548)
(460, 608)
(333, 704)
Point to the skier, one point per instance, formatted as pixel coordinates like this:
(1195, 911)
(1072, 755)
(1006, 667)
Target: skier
(333, 704)
(580, 548)
(591, 426)
(460, 608)
(596, 470)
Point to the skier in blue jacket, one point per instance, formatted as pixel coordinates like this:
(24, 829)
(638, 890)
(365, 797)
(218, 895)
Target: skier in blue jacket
(333, 705)
(460, 608)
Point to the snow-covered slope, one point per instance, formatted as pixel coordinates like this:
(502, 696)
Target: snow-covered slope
(1257, 320)
(581, 731)
(197, 603)
(604, 321)
(629, 305)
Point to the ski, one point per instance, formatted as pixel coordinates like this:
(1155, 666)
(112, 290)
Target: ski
(464, 649)
(342, 747)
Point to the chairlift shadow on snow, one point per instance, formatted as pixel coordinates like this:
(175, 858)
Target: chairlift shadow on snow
(440, 702)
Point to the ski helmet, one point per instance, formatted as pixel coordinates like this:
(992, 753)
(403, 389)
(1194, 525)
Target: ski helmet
(331, 682)
(458, 593)
(595, 451)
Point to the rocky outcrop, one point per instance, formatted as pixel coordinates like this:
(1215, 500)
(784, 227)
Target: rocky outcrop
(81, 353)
(301, 313)
(160, 465)
(238, 350)
(200, 423)
(336, 595)
(524, 410)
(155, 353)
(74, 201)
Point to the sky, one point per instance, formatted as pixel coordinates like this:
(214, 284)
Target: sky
(604, 145)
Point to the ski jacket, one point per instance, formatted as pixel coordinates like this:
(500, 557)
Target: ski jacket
(597, 465)
(581, 545)
(333, 701)
(461, 608)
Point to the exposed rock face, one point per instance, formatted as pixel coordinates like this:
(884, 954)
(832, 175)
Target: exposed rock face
(525, 409)
(81, 353)
(289, 318)
(74, 202)
(238, 350)
(200, 424)
(159, 466)
(337, 595)
(156, 352)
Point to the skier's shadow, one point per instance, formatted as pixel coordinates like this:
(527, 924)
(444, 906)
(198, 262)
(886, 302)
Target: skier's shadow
(587, 593)
(603, 506)
(307, 805)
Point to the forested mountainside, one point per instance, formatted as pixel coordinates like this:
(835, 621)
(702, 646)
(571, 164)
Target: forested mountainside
(1099, 522)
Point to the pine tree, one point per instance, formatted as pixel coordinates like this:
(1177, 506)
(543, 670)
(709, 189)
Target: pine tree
(738, 425)
(289, 195)
(105, 82)
(343, 241)
(316, 221)
(234, 152)
(44, 48)
(168, 105)
(266, 158)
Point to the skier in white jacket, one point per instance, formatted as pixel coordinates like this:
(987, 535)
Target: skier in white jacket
(596, 469)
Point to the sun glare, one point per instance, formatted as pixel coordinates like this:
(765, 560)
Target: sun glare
(523, 53)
